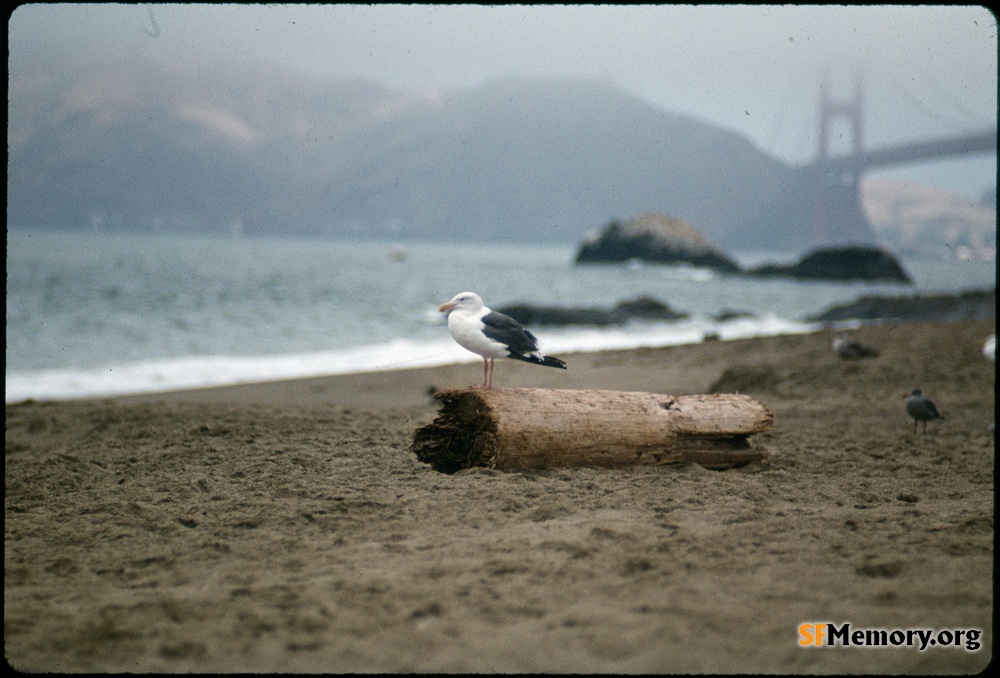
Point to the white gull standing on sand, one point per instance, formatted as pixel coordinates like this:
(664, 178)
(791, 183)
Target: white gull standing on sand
(492, 335)
(990, 353)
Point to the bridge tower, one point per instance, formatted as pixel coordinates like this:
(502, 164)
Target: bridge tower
(838, 217)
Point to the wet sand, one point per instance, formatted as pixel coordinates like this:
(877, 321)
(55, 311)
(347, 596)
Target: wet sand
(286, 527)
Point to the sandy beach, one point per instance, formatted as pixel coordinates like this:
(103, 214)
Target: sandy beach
(287, 527)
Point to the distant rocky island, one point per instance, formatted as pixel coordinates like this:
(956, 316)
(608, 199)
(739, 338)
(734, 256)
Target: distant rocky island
(661, 239)
(840, 263)
(655, 238)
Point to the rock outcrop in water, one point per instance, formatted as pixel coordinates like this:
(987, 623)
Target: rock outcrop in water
(971, 305)
(840, 263)
(641, 308)
(653, 238)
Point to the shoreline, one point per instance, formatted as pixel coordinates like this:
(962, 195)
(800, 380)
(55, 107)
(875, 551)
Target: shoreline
(968, 305)
(615, 369)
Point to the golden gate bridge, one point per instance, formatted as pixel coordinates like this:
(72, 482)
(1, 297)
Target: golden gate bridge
(834, 180)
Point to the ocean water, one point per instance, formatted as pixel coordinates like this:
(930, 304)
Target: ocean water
(94, 314)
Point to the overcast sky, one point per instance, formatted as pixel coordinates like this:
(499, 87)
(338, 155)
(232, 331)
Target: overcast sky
(929, 71)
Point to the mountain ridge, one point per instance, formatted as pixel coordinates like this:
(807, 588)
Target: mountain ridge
(151, 145)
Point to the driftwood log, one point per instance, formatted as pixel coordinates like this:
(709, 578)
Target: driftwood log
(517, 428)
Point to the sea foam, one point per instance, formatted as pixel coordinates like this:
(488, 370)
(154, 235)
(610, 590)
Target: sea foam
(190, 372)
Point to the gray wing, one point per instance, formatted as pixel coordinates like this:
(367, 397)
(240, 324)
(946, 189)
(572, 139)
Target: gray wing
(507, 331)
(932, 409)
(863, 350)
(922, 408)
(855, 349)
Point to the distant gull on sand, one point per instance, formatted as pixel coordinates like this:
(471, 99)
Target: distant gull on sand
(492, 335)
(990, 351)
(852, 349)
(920, 408)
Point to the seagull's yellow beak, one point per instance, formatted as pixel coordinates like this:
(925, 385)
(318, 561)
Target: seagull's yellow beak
(444, 308)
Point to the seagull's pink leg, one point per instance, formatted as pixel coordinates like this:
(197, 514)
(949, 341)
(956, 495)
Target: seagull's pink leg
(486, 366)
(487, 374)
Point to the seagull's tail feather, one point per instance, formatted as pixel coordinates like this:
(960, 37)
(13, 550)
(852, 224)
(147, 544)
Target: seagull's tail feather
(546, 360)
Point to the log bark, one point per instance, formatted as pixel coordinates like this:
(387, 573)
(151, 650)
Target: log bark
(542, 428)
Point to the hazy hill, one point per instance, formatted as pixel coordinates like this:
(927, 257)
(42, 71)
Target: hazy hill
(215, 146)
(918, 218)
(146, 145)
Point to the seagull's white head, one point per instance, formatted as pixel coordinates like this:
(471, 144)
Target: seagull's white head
(466, 301)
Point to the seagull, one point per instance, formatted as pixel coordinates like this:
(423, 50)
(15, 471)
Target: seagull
(990, 353)
(852, 349)
(920, 408)
(492, 335)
